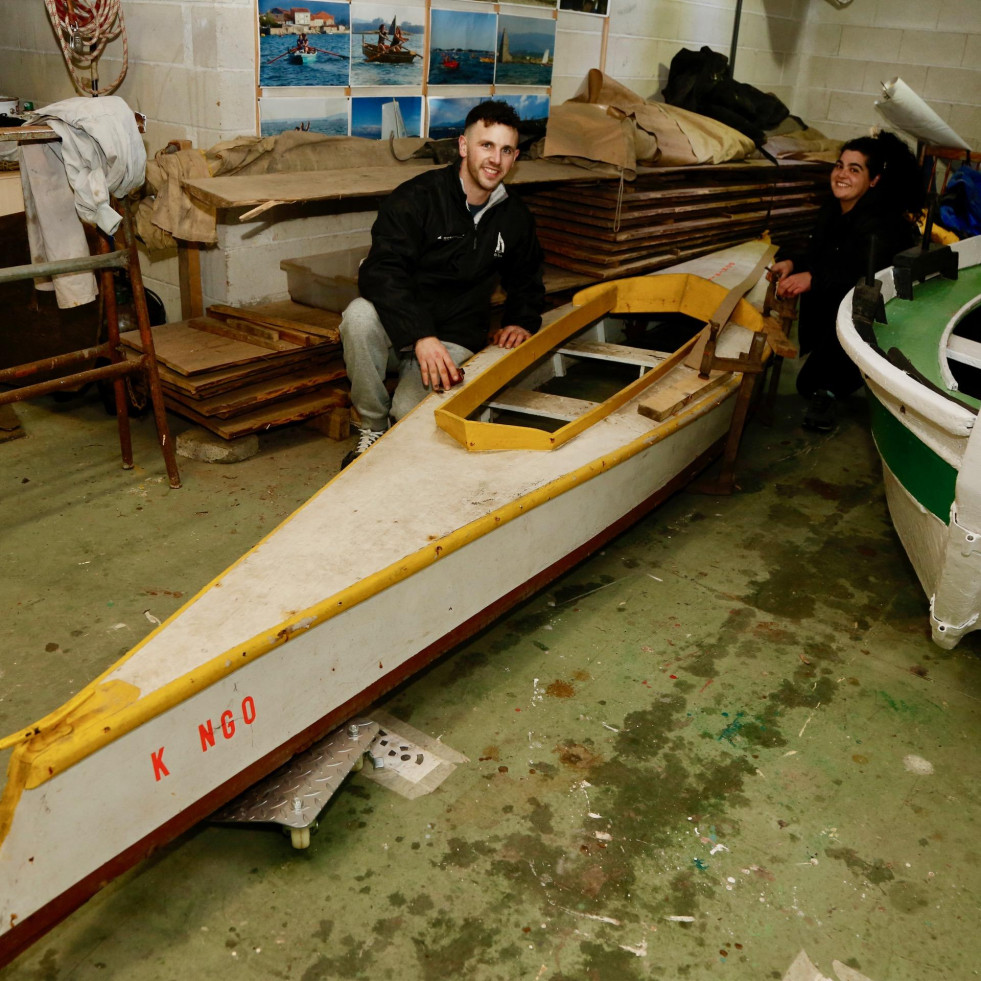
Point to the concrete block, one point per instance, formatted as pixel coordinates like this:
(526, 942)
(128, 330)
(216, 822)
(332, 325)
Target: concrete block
(960, 15)
(869, 44)
(700, 24)
(932, 48)
(972, 51)
(629, 56)
(575, 53)
(156, 33)
(200, 444)
(944, 84)
(852, 107)
(966, 122)
(908, 14)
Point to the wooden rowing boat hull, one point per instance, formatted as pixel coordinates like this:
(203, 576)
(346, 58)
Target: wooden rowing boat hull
(926, 434)
(367, 582)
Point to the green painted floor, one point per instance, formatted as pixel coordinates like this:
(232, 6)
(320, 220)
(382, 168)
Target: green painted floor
(724, 740)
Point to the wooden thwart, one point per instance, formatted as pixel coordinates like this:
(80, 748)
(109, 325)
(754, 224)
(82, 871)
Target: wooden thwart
(678, 389)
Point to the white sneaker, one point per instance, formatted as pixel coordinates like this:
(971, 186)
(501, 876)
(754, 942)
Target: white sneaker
(367, 438)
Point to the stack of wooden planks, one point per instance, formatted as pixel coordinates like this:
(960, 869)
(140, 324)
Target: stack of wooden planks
(243, 370)
(605, 230)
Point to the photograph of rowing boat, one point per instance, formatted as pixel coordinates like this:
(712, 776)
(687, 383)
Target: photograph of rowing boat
(524, 50)
(304, 46)
(308, 114)
(379, 117)
(388, 45)
(461, 47)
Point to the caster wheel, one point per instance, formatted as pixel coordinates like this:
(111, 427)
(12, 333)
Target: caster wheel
(300, 837)
(357, 766)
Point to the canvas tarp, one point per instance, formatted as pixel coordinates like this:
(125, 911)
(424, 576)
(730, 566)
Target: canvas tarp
(609, 128)
(170, 213)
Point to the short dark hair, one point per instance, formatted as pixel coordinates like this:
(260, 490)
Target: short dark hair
(492, 112)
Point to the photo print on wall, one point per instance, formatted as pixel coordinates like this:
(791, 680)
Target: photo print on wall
(601, 7)
(301, 46)
(549, 4)
(447, 115)
(379, 117)
(461, 47)
(388, 44)
(309, 114)
(533, 110)
(524, 50)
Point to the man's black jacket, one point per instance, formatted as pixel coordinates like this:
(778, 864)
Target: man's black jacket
(431, 271)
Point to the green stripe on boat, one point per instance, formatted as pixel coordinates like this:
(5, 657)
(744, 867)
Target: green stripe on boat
(930, 479)
(916, 326)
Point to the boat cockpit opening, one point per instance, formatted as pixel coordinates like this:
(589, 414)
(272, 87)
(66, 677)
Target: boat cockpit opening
(590, 367)
(964, 353)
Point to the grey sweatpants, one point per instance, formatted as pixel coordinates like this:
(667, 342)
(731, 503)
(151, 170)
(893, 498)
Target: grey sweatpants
(369, 356)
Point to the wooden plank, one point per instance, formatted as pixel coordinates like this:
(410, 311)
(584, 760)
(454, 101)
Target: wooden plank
(678, 389)
(285, 314)
(187, 349)
(527, 401)
(250, 397)
(242, 330)
(268, 417)
(238, 191)
(620, 353)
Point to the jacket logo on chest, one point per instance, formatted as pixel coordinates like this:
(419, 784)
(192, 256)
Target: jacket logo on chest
(499, 248)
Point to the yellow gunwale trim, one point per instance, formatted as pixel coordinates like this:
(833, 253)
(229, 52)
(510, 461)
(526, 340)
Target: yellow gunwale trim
(661, 293)
(44, 753)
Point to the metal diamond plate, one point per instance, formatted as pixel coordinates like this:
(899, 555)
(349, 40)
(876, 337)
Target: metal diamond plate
(296, 793)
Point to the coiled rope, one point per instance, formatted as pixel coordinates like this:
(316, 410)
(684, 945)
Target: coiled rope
(83, 29)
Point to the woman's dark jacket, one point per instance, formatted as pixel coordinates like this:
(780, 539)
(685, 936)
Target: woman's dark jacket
(837, 256)
(431, 270)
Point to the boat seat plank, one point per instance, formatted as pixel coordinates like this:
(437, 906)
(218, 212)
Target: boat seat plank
(541, 404)
(677, 390)
(602, 351)
(964, 350)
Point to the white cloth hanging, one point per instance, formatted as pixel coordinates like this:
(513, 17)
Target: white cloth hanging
(53, 229)
(102, 150)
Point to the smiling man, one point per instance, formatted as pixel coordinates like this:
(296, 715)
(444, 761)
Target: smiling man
(440, 243)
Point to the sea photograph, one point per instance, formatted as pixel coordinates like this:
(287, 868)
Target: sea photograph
(311, 114)
(378, 117)
(461, 47)
(447, 116)
(304, 46)
(533, 111)
(525, 46)
(388, 44)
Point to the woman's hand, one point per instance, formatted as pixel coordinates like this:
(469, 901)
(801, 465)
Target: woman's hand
(794, 284)
(778, 270)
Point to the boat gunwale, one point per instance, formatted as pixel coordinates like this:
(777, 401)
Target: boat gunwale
(683, 292)
(952, 417)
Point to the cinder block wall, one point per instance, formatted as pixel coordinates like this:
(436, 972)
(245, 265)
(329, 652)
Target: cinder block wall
(935, 47)
(192, 71)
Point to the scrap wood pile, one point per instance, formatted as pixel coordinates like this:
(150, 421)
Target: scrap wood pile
(243, 370)
(607, 231)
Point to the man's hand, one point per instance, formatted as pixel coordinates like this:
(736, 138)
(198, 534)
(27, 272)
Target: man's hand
(436, 366)
(794, 285)
(510, 336)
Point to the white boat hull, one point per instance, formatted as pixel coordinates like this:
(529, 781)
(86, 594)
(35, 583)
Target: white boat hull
(357, 590)
(943, 549)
